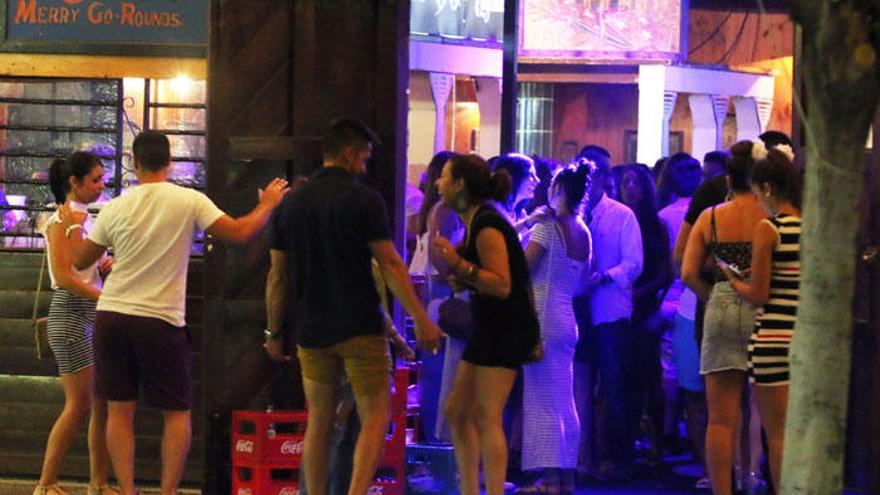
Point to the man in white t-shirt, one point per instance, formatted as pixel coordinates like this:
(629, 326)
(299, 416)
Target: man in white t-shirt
(141, 340)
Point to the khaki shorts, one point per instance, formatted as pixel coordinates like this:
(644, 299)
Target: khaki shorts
(365, 360)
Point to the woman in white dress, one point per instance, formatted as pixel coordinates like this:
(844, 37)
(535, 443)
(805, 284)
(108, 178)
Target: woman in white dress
(557, 252)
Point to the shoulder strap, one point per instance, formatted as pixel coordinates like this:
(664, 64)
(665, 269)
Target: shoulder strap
(39, 285)
(714, 229)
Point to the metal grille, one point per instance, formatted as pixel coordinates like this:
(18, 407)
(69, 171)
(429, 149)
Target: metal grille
(44, 119)
(534, 126)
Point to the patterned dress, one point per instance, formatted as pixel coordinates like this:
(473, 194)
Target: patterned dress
(774, 322)
(551, 430)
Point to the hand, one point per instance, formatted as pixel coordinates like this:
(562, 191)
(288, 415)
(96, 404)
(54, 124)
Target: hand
(457, 284)
(274, 192)
(595, 280)
(70, 216)
(275, 350)
(105, 266)
(403, 347)
(429, 336)
(538, 215)
(444, 252)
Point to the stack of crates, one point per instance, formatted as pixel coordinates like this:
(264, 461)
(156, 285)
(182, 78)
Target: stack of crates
(267, 447)
(267, 452)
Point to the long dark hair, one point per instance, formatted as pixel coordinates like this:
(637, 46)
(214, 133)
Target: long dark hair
(518, 167)
(739, 166)
(646, 210)
(480, 184)
(79, 164)
(431, 195)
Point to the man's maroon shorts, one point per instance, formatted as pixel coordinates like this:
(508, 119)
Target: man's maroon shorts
(136, 351)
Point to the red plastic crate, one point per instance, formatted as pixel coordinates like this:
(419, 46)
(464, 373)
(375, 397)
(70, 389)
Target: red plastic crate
(251, 442)
(400, 392)
(250, 478)
(395, 442)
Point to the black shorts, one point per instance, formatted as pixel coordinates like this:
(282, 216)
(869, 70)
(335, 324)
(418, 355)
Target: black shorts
(136, 351)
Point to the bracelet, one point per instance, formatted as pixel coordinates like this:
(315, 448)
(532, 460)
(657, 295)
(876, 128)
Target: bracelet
(472, 273)
(270, 335)
(457, 264)
(70, 229)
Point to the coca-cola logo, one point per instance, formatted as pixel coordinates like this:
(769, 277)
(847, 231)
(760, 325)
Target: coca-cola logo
(289, 491)
(244, 446)
(292, 447)
(244, 491)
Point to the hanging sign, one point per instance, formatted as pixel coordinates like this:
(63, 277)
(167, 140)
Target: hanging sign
(155, 22)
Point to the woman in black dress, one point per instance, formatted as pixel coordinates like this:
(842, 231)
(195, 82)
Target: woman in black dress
(492, 265)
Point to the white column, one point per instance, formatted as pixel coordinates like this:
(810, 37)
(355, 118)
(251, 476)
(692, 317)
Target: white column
(489, 99)
(748, 125)
(441, 86)
(765, 110)
(705, 131)
(720, 105)
(669, 99)
(652, 81)
(421, 122)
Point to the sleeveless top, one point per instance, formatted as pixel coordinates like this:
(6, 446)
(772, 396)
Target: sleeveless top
(733, 253)
(778, 314)
(510, 323)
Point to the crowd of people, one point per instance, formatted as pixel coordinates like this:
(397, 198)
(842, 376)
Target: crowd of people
(574, 312)
(659, 293)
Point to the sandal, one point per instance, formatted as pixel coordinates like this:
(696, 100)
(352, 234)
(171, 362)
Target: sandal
(52, 489)
(102, 490)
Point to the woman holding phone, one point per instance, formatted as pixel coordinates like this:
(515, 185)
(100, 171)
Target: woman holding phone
(724, 232)
(773, 286)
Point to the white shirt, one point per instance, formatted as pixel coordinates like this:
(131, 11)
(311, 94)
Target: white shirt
(617, 249)
(151, 230)
(678, 295)
(89, 275)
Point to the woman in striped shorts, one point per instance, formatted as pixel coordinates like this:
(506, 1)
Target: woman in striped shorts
(75, 182)
(774, 287)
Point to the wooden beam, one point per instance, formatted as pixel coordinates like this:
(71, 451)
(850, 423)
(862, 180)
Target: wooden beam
(98, 66)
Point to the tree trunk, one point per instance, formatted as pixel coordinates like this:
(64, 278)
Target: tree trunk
(842, 85)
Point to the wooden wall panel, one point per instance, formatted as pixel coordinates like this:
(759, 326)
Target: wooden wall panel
(278, 72)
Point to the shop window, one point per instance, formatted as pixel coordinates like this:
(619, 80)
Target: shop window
(44, 119)
(534, 126)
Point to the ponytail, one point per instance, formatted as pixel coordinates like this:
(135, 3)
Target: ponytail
(77, 165)
(59, 182)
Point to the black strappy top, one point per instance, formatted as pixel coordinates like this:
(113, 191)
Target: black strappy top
(734, 253)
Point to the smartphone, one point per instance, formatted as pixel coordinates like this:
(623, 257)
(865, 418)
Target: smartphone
(725, 265)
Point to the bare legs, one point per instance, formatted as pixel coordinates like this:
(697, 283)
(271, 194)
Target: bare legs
(78, 393)
(724, 395)
(373, 413)
(474, 410)
(120, 443)
(772, 405)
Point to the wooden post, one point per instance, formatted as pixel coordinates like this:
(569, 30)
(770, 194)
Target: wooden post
(509, 83)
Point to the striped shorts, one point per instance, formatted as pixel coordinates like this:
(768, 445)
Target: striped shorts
(70, 328)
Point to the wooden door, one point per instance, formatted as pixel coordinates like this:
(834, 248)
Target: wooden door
(278, 72)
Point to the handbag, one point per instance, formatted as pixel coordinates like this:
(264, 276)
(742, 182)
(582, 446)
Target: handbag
(456, 319)
(40, 325)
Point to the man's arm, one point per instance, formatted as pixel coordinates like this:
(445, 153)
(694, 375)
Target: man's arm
(83, 252)
(277, 285)
(243, 229)
(632, 257)
(395, 274)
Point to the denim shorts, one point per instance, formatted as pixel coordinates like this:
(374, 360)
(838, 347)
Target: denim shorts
(727, 328)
